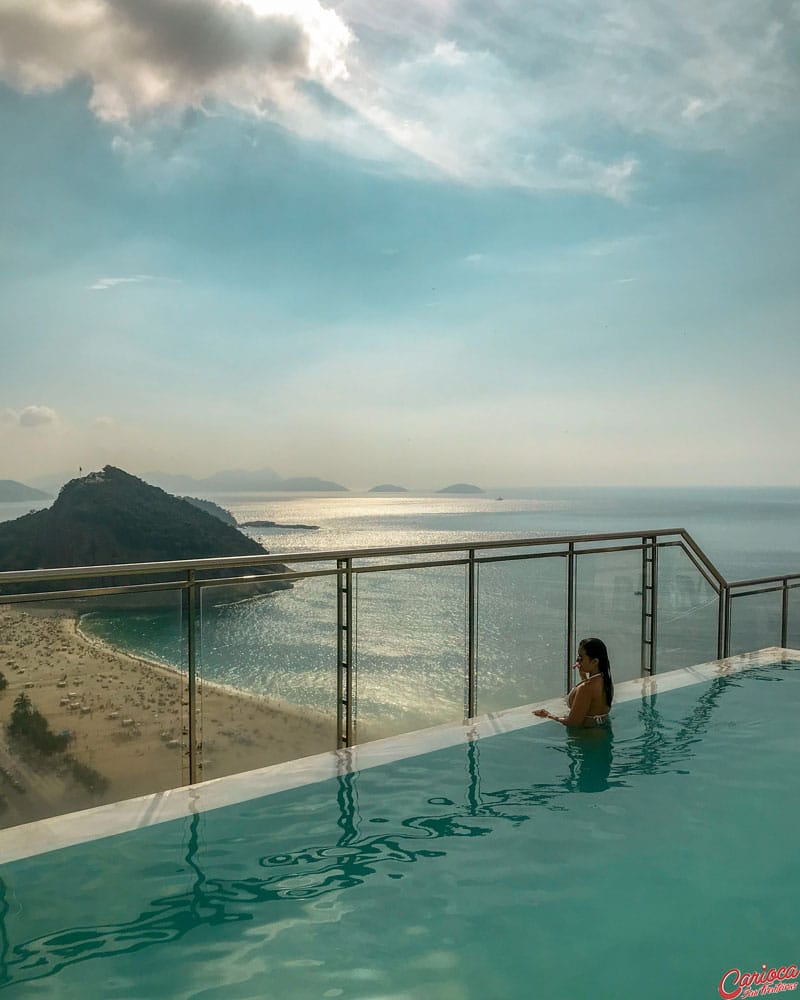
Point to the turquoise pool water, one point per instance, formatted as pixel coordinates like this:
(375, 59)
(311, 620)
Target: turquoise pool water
(643, 861)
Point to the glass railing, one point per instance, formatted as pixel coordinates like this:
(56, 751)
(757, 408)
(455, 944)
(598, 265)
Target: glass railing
(521, 639)
(94, 701)
(408, 649)
(608, 604)
(688, 611)
(761, 613)
(266, 676)
(122, 680)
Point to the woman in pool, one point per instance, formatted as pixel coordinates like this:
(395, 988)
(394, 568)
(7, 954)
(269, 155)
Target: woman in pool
(590, 700)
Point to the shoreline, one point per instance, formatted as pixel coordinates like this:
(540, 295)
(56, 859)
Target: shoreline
(301, 712)
(127, 716)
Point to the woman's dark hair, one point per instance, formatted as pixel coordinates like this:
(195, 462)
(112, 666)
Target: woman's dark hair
(595, 649)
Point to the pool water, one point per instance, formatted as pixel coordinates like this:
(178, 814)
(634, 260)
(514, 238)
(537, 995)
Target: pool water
(644, 860)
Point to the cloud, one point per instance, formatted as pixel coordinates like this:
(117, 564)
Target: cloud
(562, 94)
(102, 284)
(142, 55)
(621, 245)
(558, 95)
(30, 416)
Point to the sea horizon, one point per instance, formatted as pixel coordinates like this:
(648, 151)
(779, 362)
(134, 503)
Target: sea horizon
(739, 528)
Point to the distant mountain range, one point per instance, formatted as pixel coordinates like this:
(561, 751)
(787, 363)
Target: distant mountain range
(241, 481)
(264, 480)
(233, 481)
(13, 492)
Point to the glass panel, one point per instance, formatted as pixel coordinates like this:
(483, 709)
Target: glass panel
(608, 605)
(793, 625)
(755, 621)
(687, 613)
(268, 669)
(411, 649)
(92, 702)
(522, 614)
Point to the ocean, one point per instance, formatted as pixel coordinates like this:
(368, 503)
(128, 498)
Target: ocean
(410, 634)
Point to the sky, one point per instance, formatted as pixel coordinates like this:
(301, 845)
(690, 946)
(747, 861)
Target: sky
(516, 243)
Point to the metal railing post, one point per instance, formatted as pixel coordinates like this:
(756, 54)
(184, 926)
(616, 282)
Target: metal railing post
(344, 652)
(721, 626)
(785, 613)
(726, 644)
(472, 687)
(570, 614)
(191, 648)
(643, 645)
(649, 604)
(654, 609)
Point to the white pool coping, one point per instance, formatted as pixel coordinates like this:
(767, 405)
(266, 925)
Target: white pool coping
(67, 830)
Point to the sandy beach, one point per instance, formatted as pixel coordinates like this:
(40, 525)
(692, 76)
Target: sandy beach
(128, 720)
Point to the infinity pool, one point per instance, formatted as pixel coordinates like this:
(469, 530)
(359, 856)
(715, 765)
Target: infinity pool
(646, 860)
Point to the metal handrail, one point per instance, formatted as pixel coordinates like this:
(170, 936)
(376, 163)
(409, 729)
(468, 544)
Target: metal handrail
(226, 562)
(275, 558)
(780, 578)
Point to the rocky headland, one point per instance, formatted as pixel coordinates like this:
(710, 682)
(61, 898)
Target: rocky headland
(110, 518)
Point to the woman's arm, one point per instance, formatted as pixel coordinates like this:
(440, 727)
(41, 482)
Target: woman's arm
(578, 711)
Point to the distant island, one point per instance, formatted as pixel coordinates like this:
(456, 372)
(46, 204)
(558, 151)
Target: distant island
(387, 488)
(461, 488)
(274, 524)
(13, 492)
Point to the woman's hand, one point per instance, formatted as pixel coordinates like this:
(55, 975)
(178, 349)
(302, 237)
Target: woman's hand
(542, 713)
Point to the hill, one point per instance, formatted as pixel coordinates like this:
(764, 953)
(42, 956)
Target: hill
(111, 517)
(461, 488)
(388, 488)
(13, 492)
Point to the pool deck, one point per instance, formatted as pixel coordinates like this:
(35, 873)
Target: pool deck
(66, 830)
